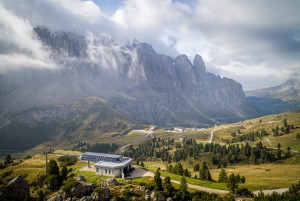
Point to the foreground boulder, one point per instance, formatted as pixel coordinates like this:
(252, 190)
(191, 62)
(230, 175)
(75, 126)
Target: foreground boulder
(60, 197)
(110, 182)
(101, 194)
(16, 190)
(83, 190)
(158, 196)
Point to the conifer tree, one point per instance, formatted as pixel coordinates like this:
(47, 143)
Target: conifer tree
(183, 188)
(168, 187)
(204, 173)
(285, 122)
(223, 176)
(232, 183)
(53, 168)
(64, 172)
(157, 181)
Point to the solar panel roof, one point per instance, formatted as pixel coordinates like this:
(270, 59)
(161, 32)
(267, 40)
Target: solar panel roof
(102, 154)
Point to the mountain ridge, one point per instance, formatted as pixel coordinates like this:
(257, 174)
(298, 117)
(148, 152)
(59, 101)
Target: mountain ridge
(277, 99)
(289, 90)
(176, 91)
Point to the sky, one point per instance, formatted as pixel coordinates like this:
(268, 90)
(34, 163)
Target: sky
(256, 43)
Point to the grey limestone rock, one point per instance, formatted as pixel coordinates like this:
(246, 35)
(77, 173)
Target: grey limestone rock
(17, 189)
(134, 79)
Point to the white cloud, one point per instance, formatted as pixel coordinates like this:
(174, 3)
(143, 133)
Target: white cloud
(261, 36)
(87, 10)
(20, 48)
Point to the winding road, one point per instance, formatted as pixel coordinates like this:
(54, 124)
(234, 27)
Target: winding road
(122, 149)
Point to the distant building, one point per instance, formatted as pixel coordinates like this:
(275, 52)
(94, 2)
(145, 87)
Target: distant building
(108, 164)
(178, 129)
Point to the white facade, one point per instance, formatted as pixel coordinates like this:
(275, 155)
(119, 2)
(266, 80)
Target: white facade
(115, 169)
(109, 164)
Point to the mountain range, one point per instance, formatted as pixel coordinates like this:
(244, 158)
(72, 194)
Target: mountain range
(277, 99)
(132, 81)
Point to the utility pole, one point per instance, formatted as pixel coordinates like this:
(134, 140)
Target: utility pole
(46, 162)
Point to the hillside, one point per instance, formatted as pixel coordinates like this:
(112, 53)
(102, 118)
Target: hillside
(89, 120)
(288, 91)
(265, 174)
(281, 98)
(248, 148)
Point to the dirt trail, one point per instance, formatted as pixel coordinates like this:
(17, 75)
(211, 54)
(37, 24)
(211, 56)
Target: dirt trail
(211, 136)
(147, 134)
(268, 141)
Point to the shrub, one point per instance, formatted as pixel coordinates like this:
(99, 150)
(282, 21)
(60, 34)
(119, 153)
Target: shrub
(244, 192)
(69, 184)
(149, 187)
(53, 182)
(67, 160)
(6, 174)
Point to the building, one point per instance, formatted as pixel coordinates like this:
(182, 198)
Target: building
(108, 164)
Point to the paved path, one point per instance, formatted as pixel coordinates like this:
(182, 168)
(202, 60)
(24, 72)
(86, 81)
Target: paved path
(88, 169)
(280, 190)
(139, 172)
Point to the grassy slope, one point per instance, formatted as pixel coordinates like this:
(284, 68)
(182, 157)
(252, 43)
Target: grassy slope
(152, 166)
(94, 121)
(268, 122)
(266, 176)
(262, 176)
(31, 168)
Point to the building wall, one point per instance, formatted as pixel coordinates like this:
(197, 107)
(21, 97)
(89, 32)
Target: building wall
(109, 172)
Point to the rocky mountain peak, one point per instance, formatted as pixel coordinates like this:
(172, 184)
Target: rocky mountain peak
(134, 79)
(198, 63)
(143, 47)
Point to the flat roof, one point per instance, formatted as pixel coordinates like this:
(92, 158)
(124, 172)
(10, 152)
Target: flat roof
(112, 165)
(102, 154)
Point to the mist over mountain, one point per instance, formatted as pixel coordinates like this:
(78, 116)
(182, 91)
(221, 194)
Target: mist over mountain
(134, 79)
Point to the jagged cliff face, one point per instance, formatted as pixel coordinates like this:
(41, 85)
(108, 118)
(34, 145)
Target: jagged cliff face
(134, 79)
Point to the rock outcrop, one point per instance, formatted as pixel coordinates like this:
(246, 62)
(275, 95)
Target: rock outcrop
(110, 182)
(101, 195)
(84, 189)
(60, 197)
(83, 192)
(16, 190)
